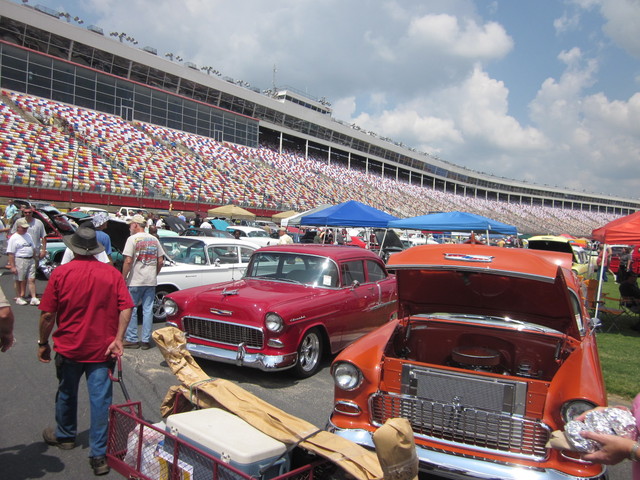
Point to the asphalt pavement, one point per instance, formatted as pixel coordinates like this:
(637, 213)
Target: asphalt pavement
(27, 395)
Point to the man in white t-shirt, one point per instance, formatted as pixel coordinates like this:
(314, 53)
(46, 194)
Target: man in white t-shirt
(22, 254)
(143, 259)
(284, 239)
(36, 230)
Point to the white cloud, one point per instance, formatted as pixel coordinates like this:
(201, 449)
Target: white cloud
(566, 23)
(623, 18)
(465, 39)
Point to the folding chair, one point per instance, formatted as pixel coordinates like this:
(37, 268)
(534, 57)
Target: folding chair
(631, 307)
(612, 314)
(608, 312)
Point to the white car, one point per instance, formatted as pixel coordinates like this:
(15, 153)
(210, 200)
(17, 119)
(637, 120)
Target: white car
(126, 213)
(254, 235)
(196, 261)
(90, 210)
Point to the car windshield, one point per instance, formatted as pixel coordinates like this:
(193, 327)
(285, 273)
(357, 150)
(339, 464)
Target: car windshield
(257, 233)
(294, 268)
(184, 250)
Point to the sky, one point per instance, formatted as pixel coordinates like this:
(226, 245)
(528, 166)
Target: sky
(542, 91)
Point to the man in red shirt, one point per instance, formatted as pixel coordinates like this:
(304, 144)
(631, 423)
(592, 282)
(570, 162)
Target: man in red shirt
(89, 302)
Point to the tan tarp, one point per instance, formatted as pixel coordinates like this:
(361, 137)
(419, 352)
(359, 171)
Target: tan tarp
(282, 215)
(231, 212)
(207, 392)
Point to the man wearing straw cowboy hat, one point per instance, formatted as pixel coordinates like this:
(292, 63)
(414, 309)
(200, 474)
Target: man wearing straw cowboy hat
(90, 303)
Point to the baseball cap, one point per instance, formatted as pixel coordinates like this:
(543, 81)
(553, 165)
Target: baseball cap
(137, 218)
(21, 222)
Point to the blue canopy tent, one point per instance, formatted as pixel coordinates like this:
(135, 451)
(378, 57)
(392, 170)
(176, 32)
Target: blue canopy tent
(454, 222)
(349, 214)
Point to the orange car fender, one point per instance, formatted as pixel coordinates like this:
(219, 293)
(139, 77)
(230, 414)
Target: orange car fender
(579, 377)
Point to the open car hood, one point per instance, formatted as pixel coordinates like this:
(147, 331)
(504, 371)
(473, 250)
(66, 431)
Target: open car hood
(520, 284)
(174, 223)
(118, 232)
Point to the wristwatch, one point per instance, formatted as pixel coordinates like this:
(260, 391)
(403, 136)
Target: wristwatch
(634, 452)
(43, 344)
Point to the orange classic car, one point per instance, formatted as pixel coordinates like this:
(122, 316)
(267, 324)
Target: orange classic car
(295, 303)
(492, 350)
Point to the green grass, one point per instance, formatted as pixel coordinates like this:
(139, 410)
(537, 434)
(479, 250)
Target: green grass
(619, 351)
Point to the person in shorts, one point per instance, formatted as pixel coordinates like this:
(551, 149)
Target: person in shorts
(22, 254)
(6, 324)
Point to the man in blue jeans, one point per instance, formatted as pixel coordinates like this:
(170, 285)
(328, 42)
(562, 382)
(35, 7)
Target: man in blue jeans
(89, 302)
(143, 259)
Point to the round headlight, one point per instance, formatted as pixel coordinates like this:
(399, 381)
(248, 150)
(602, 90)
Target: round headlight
(274, 322)
(346, 376)
(170, 307)
(575, 408)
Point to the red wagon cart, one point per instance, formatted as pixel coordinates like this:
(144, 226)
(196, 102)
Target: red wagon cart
(139, 450)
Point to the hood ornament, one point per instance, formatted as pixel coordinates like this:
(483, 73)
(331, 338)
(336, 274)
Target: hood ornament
(461, 257)
(229, 292)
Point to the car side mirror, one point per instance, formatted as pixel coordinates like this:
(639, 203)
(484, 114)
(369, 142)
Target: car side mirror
(216, 262)
(355, 284)
(595, 323)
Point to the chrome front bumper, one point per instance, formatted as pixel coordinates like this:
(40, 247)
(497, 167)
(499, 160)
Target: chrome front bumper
(241, 358)
(463, 468)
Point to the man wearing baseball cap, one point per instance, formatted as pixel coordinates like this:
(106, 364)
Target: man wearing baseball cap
(22, 253)
(143, 259)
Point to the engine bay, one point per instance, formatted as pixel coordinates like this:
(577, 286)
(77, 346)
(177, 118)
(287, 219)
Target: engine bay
(508, 350)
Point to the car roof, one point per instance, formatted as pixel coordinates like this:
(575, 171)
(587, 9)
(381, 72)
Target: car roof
(336, 252)
(245, 228)
(214, 241)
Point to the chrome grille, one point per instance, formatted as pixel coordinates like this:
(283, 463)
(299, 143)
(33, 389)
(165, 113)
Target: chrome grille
(453, 423)
(223, 332)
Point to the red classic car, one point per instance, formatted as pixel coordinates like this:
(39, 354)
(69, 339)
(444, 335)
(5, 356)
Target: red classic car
(294, 303)
(492, 350)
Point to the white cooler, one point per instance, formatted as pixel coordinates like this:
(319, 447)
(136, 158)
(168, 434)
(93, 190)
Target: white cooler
(230, 439)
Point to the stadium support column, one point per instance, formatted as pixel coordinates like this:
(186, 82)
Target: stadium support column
(32, 158)
(144, 175)
(206, 167)
(74, 166)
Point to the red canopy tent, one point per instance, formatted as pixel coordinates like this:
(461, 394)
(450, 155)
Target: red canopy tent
(624, 230)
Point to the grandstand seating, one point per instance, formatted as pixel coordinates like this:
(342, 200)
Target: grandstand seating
(55, 145)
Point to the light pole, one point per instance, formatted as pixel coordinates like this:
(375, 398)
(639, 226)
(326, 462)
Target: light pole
(144, 174)
(206, 167)
(73, 170)
(32, 157)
